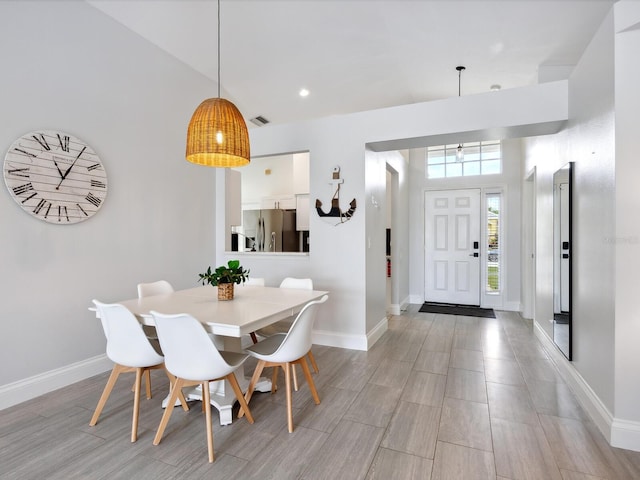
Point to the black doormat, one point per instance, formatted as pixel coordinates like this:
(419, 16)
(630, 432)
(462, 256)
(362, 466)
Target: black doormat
(452, 309)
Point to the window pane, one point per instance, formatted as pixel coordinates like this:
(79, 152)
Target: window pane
(454, 169)
(435, 171)
(435, 157)
(480, 158)
(493, 243)
(491, 166)
(490, 152)
(451, 155)
(471, 168)
(471, 154)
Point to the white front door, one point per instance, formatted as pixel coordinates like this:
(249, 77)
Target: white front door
(452, 246)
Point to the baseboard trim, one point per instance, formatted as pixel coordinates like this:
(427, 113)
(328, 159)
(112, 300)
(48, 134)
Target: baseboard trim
(339, 340)
(625, 434)
(32, 387)
(394, 309)
(588, 399)
(512, 306)
(349, 340)
(376, 332)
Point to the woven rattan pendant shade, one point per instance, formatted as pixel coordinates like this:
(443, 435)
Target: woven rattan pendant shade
(217, 135)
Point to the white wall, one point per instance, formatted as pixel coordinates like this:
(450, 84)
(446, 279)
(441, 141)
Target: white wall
(602, 140)
(510, 183)
(627, 227)
(67, 66)
(348, 260)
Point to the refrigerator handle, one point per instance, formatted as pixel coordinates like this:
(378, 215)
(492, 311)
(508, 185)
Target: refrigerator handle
(272, 246)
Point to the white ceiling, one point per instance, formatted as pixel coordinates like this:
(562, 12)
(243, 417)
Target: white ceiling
(356, 55)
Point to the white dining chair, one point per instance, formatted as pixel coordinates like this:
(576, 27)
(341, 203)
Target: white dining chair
(193, 358)
(154, 288)
(283, 326)
(255, 281)
(146, 290)
(130, 351)
(284, 351)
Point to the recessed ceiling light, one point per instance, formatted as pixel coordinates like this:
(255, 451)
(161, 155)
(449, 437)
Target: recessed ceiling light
(495, 87)
(303, 92)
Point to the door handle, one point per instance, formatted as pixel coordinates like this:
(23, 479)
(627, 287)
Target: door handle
(475, 254)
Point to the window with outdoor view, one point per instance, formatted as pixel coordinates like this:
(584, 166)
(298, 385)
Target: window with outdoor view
(476, 158)
(493, 242)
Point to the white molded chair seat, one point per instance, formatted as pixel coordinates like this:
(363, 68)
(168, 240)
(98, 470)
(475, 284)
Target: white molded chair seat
(147, 290)
(283, 326)
(193, 358)
(285, 350)
(130, 350)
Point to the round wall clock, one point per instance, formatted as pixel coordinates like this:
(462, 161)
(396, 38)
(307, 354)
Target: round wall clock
(55, 177)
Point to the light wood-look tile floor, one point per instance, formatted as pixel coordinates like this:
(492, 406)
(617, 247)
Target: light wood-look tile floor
(438, 397)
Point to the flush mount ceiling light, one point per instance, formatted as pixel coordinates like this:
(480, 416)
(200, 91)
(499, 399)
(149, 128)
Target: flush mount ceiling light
(303, 92)
(459, 150)
(217, 135)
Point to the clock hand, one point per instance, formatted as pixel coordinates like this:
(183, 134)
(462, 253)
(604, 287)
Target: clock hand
(70, 167)
(59, 171)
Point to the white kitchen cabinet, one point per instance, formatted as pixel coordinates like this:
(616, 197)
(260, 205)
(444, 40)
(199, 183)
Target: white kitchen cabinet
(301, 173)
(284, 202)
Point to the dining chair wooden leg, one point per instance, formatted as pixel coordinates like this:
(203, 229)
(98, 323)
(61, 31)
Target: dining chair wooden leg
(287, 377)
(313, 362)
(136, 404)
(207, 412)
(113, 377)
(254, 339)
(252, 385)
(307, 374)
(295, 377)
(147, 380)
(274, 379)
(236, 388)
(169, 408)
(183, 401)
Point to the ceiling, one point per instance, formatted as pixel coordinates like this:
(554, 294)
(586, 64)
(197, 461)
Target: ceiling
(356, 55)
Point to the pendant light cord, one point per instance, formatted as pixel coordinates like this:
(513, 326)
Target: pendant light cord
(218, 48)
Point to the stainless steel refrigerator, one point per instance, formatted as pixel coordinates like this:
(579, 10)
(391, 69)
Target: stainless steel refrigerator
(270, 230)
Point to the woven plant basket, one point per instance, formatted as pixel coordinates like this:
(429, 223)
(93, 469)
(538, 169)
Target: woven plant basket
(225, 291)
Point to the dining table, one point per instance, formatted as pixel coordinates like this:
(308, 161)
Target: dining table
(228, 321)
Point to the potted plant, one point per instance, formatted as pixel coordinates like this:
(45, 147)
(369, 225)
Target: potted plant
(224, 277)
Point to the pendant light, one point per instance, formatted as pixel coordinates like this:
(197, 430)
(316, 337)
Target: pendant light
(459, 150)
(217, 135)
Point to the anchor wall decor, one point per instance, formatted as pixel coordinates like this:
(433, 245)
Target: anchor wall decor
(335, 215)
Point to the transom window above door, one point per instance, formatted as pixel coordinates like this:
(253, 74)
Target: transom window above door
(478, 158)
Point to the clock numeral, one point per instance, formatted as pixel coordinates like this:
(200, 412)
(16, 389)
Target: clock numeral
(62, 213)
(19, 172)
(25, 152)
(20, 189)
(82, 210)
(64, 142)
(42, 141)
(93, 167)
(98, 184)
(29, 197)
(41, 204)
(91, 198)
(46, 214)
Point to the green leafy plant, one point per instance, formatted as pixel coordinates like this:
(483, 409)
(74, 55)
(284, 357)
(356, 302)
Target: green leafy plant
(233, 272)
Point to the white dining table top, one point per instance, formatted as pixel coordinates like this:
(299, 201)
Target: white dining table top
(252, 308)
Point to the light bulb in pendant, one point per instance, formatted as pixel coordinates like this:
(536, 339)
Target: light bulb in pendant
(459, 153)
(219, 138)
